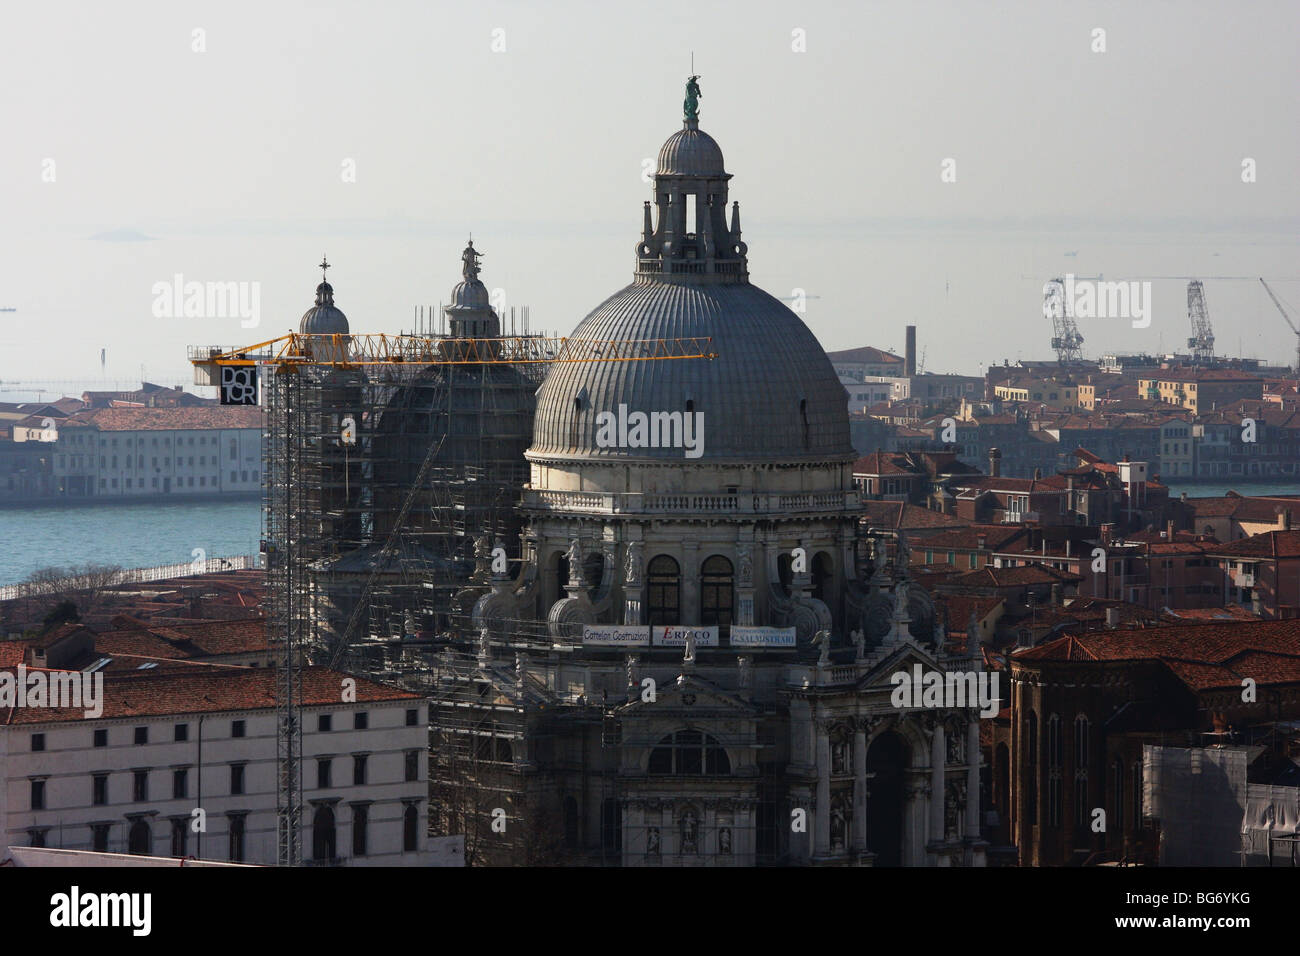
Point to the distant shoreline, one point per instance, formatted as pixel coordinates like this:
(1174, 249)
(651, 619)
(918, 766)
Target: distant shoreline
(106, 501)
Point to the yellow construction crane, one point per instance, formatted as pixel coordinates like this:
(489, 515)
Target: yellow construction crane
(353, 351)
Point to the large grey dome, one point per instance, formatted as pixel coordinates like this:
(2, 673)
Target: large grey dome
(770, 395)
(690, 152)
(324, 318)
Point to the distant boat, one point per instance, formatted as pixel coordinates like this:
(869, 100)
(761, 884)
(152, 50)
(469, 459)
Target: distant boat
(8, 310)
(1074, 253)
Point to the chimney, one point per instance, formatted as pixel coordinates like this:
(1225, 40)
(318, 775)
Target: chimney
(995, 462)
(1056, 595)
(1107, 530)
(1112, 617)
(1283, 519)
(1169, 530)
(909, 352)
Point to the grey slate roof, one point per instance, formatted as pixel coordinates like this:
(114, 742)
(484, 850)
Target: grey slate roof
(750, 395)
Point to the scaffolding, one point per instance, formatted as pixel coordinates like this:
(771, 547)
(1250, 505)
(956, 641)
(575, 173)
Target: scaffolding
(384, 488)
(392, 468)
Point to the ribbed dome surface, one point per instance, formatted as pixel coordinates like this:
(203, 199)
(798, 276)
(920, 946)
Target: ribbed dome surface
(691, 152)
(771, 394)
(471, 294)
(324, 318)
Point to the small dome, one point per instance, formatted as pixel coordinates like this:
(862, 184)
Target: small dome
(691, 152)
(470, 294)
(324, 318)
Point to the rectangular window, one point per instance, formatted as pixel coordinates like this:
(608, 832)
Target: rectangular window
(180, 836)
(324, 723)
(323, 767)
(36, 837)
(38, 743)
(236, 778)
(142, 735)
(359, 770)
(360, 817)
(413, 717)
(38, 794)
(236, 849)
(236, 728)
(182, 732)
(99, 837)
(99, 790)
(140, 789)
(360, 720)
(412, 766)
(180, 784)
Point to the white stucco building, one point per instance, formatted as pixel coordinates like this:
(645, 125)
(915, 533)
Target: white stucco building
(183, 763)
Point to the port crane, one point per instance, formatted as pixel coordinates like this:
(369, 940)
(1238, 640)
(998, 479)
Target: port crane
(1202, 341)
(235, 370)
(1287, 318)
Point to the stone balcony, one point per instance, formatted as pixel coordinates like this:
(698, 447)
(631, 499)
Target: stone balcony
(689, 503)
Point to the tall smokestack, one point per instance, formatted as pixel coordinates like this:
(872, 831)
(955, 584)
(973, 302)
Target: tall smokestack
(909, 353)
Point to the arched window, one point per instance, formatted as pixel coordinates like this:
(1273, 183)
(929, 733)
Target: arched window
(1081, 744)
(689, 753)
(410, 829)
(1118, 783)
(1054, 770)
(1031, 757)
(785, 571)
(822, 576)
(593, 569)
(140, 838)
(570, 822)
(1137, 795)
(664, 579)
(716, 592)
(322, 835)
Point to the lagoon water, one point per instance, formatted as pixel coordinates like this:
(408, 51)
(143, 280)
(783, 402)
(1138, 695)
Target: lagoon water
(140, 535)
(135, 535)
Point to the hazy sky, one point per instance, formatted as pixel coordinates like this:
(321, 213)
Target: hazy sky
(232, 161)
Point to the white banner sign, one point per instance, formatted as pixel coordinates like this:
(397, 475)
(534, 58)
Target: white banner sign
(762, 636)
(675, 635)
(616, 635)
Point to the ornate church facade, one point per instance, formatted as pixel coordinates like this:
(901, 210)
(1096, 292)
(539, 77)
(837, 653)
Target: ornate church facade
(716, 686)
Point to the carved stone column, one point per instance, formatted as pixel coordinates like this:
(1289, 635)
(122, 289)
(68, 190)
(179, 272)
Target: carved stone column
(822, 843)
(938, 756)
(973, 779)
(690, 608)
(860, 788)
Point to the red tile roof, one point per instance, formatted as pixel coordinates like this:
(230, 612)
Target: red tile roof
(1203, 656)
(226, 690)
(1270, 544)
(898, 515)
(154, 419)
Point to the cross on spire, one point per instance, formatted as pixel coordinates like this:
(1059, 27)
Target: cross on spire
(324, 264)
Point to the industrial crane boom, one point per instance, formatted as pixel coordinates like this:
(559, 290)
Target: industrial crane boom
(1287, 317)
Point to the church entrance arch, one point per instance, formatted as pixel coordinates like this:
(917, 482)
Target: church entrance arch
(887, 759)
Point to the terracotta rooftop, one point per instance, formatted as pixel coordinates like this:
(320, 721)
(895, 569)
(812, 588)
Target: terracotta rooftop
(1202, 656)
(899, 515)
(145, 695)
(155, 419)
